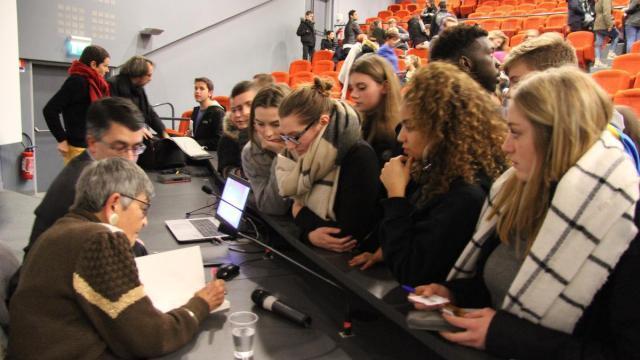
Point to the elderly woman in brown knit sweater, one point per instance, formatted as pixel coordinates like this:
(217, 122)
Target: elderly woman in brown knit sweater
(80, 296)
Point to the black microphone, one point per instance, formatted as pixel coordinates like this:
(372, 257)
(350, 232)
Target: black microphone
(265, 300)
(207, 189)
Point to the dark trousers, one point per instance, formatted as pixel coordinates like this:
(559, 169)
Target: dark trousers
(307, 51)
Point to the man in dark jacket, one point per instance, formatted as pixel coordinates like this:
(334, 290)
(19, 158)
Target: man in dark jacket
(352, 30)
(307, 35)
(208, 117)
(134, 75)
(581, 15)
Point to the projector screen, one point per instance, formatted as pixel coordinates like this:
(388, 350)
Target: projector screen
(9, 73)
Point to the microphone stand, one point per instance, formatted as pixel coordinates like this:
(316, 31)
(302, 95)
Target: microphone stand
(346, 330)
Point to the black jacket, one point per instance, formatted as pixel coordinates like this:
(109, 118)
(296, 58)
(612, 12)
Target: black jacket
(306, 32)
(207, 132)
(351, 31)
(354, 206)
(609, 327)
(72, 100)
(420, 245)
(327, 44)
(416, 34)
(121, 86)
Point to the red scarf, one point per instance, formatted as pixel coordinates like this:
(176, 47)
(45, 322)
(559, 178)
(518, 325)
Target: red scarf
(98, 87)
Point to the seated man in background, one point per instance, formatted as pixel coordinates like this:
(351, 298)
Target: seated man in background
(207, 118)
(404, 35)
(114, 129)
(470, 49)
(134, 75)
(235, 129)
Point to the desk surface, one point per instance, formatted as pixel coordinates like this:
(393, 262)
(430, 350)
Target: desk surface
(277, 338)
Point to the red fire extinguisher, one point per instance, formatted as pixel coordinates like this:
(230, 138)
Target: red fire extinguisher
(27, 168)
(28, 163)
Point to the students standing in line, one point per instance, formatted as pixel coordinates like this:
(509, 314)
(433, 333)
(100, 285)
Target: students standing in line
(84, 85)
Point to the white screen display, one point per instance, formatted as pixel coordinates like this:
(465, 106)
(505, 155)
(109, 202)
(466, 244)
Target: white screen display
(234, 197)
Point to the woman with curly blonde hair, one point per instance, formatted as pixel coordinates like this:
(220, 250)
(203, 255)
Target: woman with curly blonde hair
(436, 191)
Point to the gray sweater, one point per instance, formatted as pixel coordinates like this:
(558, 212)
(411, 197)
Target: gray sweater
(633, 14)
(259, 167)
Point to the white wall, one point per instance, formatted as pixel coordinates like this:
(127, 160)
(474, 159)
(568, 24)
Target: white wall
(365, 8)
(260, 40)
(10, 89)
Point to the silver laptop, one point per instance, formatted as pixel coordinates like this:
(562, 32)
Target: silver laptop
(228, 215)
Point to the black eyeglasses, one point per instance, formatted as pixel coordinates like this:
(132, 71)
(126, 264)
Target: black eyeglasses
(296, 138)
(122, 148)
(145, 209)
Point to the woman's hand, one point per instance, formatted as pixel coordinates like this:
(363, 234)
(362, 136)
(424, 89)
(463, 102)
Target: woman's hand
(366, 259)
(295, 208)
(322, 237)
(476, 325)
(146, 133)
(273, 146)
(395, 175)
(212, 293)
(432, 289)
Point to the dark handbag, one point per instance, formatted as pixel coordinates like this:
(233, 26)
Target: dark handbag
(161, 154)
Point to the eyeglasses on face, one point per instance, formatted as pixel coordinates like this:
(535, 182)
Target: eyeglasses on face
(295, 139)
(122, 148)
(144, 208)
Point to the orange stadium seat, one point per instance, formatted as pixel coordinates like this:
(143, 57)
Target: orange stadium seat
(527, 5)
(467, 7)
(322, 55)
(635, 47)
(612, 80)
(582, 41)
(477, 15)
(339, 66)
(510, 26)
(224, 101)
(301, 77)
(281, 77)
(411, 7)
(322, 66)
(533, 23)
(394, 7)
(183, 127)
(506, 8)
(557, 23)
(490, 24)
(299, 65)
(516, 40)
(546, 5)
(421, 53)
(627, 62)
(629, 97)
(384, 14)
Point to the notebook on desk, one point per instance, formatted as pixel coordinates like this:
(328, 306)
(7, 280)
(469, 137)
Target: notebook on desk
(226, 221)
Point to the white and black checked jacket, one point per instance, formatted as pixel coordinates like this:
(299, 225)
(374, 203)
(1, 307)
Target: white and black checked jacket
(588, 227)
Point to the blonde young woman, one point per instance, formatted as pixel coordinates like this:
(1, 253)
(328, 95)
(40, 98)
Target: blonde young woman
(555, 257)
(436, 190)
(328, 171)
(375, 91)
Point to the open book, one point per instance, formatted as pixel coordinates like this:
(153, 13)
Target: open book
(171, 278)
(191, 147)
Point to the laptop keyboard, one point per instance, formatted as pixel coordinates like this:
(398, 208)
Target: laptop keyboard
(205, 227)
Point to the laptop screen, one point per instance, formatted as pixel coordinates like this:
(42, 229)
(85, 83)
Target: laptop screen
(234, 198)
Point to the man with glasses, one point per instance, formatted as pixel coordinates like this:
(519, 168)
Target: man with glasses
(114, 129)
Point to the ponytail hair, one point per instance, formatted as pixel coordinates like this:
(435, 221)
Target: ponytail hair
(308, 102)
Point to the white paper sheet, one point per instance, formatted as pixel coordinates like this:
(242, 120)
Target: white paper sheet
(171, 278)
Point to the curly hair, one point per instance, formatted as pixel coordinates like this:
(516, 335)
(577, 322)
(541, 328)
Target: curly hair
(463, 127)
(454, 42)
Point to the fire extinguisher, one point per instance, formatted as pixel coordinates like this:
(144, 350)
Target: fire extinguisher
(28, 160)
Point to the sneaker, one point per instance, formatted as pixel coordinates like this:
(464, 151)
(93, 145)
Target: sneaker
(598, 64)
(612, 55)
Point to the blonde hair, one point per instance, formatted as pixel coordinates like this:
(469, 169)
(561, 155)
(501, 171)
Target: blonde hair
(382, 121)
(568, 111)
(498, 34)
(463, 125)
(543, 52)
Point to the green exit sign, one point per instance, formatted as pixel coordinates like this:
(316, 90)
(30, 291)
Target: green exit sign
(76, 44)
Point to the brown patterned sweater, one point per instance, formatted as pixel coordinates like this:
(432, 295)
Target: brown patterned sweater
(79, 297)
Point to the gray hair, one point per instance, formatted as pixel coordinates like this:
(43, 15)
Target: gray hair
(105, 177)
(136, 66)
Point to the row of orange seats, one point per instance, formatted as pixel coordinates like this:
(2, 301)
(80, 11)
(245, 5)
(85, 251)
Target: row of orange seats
(526, 9)
(511, 26)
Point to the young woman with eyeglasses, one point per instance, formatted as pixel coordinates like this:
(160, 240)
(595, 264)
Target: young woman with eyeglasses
(328, 171)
